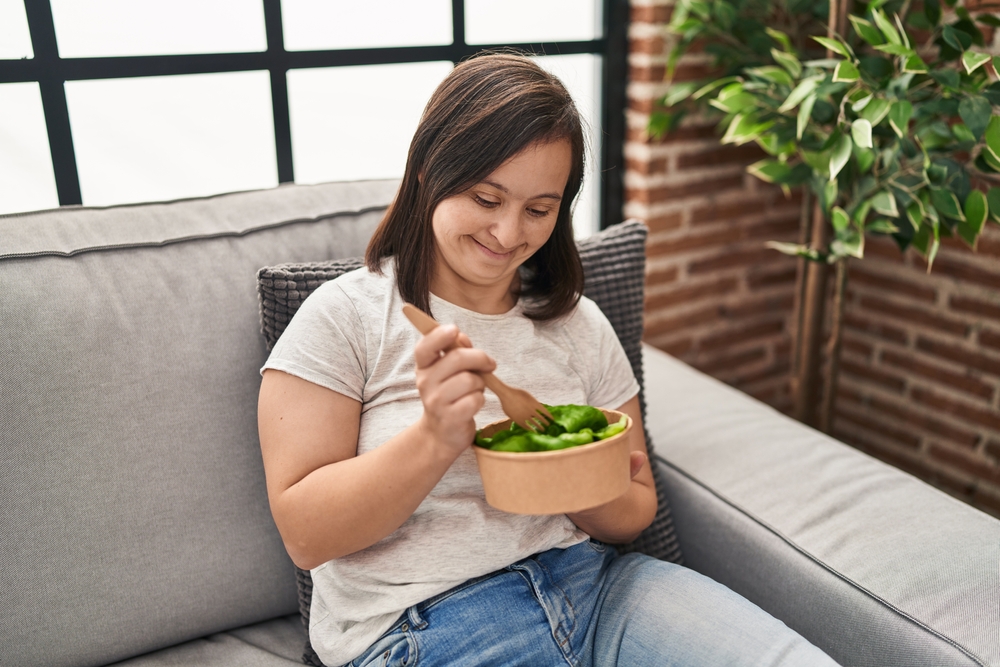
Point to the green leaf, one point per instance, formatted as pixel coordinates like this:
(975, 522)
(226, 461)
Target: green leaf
(886, 27)
(899, 117)
(962, 132)
(993, 200)
(805, 111)
(839, 219)
(989, 19)
(712, 85)
(876, 110)
(846, 72)
(770, 171)
(883, 202)
(803, 90)
(992, 135)
(976, 210)
(972, 60)
(735, 103)
(796, 250)
(866, 30)
(841, 154)
(914, 65)
(834, 45)
(861, 131)
(829, 194)
(744, 128)
(678, 92)
(772, 74)
(932, 9)
(996, 64)
(975, 111)
(725, 14)
(882, 226)
(861, 213)
(948, 78)
(915, 214)
(956, 39)
(780, 37)
(788, 61)
(947, 204)
(895, 49)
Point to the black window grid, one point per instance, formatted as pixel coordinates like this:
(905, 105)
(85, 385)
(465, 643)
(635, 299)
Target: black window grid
(51, 72)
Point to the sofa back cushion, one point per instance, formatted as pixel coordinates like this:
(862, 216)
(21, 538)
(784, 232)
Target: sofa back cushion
(133, 511)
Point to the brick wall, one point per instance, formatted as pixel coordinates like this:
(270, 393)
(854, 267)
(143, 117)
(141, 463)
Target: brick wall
(920, 371)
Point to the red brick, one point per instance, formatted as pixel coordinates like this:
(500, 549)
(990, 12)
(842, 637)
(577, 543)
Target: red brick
(966, 461)
(961, 382)
(857, 347)
(918, 316)
(975, 307)
(685, 133)
(751, 307)
(714, 212)
(901, 436)
(691, 72)
(965, 271)
(921, 420)
(883, 283)
(780, 229)
(662, 276)
(651, 73)
(988, 246)
(986, 500)
(651, 14)
(989, 338)
(866, 326)
(670, 193)
(992, 449)
(730, 362)
(777, 371)
(761, 279)
(690, 293)
(692, 241)
(956, 408)
(896, 456)
(665, 222)
(734, 260)
(959, 355)
(742, 334)
(883, 249)
(678, 347)
(680, 322)
(867, 373)
(719, 155)
(646, 167)
(647, 45)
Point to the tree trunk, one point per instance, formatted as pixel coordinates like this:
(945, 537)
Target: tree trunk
(833, 350)
(813, 308)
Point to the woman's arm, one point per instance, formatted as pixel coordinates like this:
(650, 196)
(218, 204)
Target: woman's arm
(328, 502)
(621, 520)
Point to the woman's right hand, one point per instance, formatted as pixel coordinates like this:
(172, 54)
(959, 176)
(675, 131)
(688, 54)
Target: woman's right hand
(450, 386)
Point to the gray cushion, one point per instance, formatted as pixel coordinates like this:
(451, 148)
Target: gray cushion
(867, 562)
(133, 513)
(614, 268)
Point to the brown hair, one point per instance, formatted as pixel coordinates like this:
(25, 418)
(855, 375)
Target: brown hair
(486, 111)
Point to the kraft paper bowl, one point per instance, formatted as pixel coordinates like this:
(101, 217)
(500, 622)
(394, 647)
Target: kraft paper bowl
(560, 482)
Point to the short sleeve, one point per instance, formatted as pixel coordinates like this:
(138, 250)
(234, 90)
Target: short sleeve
(324, 343)
(611, 380)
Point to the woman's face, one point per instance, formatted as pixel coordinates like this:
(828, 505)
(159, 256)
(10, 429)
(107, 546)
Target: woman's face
(484, 234)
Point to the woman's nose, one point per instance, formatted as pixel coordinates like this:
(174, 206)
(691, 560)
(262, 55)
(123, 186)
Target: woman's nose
(507, 229)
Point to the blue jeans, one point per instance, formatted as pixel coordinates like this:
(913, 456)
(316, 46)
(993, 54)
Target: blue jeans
(588, 606)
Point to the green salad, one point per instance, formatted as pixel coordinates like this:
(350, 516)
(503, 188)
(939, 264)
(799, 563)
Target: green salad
(572, 425)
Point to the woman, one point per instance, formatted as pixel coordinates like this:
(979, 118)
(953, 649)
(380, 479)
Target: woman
(366, 426)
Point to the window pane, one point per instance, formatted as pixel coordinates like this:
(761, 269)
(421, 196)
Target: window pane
(26, 179)
(168, 137)
(347, 24)
(520, 21)
(581, 74)
(99, 28)
(15, 40)
(355, 123)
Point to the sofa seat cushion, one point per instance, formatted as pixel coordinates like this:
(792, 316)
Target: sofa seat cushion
(869, 563)
(273, 643)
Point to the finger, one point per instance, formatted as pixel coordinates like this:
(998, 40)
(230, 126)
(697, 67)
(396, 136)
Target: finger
(459, 360)
(430, 347)
(464, 340)
(455, 388)
(636, 461)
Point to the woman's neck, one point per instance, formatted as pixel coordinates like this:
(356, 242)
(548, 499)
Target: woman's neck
(485, 299)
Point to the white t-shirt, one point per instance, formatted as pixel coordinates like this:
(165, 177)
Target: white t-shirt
(351, 336)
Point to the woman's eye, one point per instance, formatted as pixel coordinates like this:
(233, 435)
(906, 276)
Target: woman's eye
(538, 213)
(486, 202)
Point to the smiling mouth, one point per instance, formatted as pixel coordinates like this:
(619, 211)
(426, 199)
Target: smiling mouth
(492, 253)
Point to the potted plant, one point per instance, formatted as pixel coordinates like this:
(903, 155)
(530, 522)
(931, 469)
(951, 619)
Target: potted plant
(888, 121)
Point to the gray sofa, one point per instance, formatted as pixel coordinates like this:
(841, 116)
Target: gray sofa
(134, 526)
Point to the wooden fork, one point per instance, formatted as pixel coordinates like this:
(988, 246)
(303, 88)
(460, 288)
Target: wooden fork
(524, 409)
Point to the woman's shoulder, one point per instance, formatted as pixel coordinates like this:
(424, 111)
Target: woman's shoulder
(359, 284)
